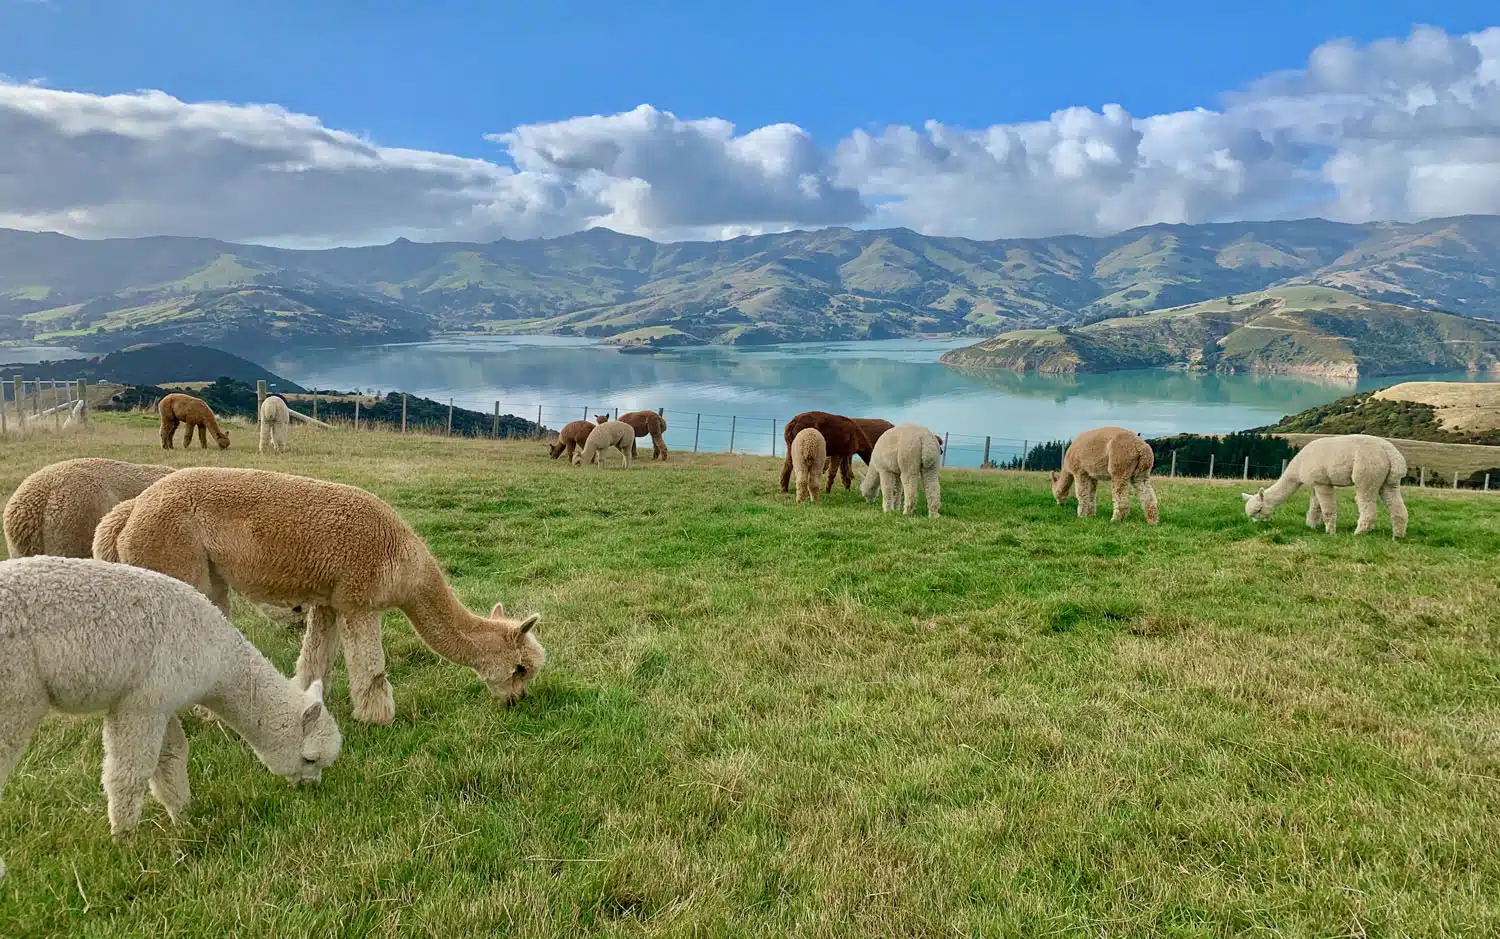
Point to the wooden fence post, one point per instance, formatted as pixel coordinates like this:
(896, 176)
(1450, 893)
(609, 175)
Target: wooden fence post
(1173, 474)
(986, 463)
(697, 422)
(450, 417)
(20, 396)
(1486, 482)
(1283, 466)
(944, 461)
(315, 404)
(1422, 477)
(773, 436)
(403, 412)
(56, 406)
(585, 412)
(83, 395)
(356, 412)
(538, 419)
(260, 396)
(732, 422)
(2, 409)
(617, 413)
(36, 400)
(1247, 468)
(1210, 466)
(496, 433)
(1455, 479)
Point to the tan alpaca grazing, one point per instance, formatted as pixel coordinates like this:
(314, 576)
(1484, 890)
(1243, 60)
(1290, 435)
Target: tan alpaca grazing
(616, 434)
(55, 510)
(809, 462)
(178, 409)
(1111, 453)
(1372, 465)
(335, 550)
(573, 435)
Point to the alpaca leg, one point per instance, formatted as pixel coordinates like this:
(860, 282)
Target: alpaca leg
(1314, 512)
(786, 468)
(1085, 487)
(1147, 494)
(282, 431)
(833, 472)
(846, 470)
(368, 686)
(202, 436)
(132, 750)
(16, 726)
(658, 445)
(320, 646)
(934, 493)
(890, 484)
(1395, 505)
(170, 782)
(629, 455)
(168, 432)
(1119, 491)
(1367, 500)
(1328, 504)
(911, 491)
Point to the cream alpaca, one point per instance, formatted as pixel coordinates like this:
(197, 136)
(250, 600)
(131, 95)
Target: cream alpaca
(82, 636)
(906, 456)
(275, 424)
(1111, 453)
(54, 510)
(809, 462)
(1372, 465)
(616, 434)
(335, 550)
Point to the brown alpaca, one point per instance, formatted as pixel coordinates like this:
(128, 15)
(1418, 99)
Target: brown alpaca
(809, 461)
(842, 436)
(55, 510)
(178, 408)
(1112, 453)
(872, 428)
(573, 436)
(648, 423)
(336, 550)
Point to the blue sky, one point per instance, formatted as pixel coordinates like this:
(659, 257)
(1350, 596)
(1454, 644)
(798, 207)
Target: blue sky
(439, 75)
(858, 80)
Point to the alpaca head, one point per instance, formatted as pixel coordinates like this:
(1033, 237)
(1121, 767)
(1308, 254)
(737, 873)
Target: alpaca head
(600, 418)
(223, 440)
(556, 448)
(512, 654)
(1255, 506)
(1059, 491)
(308, 743)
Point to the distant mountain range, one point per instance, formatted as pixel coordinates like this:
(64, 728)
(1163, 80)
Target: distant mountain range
(828, 284)
(1286, 330)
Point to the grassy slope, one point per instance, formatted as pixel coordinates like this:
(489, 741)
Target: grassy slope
(768, 720)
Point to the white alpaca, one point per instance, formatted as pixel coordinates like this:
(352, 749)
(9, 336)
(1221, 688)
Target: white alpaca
(906, 456)
(616, 434)
(81, 636)
(1372, 465)
(275, 424)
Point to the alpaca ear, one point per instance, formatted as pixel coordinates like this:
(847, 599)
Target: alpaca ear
(311, 715)
(528, 623)
(1262, 492)
(1246, 496)
(315, 690)
(497, 610)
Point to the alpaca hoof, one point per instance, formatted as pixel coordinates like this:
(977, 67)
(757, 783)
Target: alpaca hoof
(377, 705)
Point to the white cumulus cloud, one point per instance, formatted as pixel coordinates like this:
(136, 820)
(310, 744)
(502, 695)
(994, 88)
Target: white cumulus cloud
(1397, 129)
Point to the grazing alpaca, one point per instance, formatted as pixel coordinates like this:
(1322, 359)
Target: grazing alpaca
(83, 636)
(573, 435)
(335, 550)
(178, 408)
(905, 460)
(1112, 453)
(55, 510)
(648, 423)
(1372, 465)
(617, 434)
(809, 461)
(275, 424)
(841, 434)
(872, 428)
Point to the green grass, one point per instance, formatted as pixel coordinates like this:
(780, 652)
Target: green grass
(761, 719)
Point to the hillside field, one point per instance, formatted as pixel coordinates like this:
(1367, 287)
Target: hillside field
(768, 720)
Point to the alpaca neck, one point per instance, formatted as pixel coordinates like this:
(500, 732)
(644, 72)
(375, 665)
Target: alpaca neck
(1281, 490)
(249, 689)
(443, 623)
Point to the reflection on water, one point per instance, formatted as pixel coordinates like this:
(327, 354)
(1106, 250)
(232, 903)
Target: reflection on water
(900, 380)
(17, 355)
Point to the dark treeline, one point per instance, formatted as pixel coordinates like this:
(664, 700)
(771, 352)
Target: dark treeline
(1193, 453)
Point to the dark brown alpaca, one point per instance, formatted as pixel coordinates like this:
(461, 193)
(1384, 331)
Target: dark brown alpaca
(572, 437)
(178, 409)
(872, 428)
(843, 437)
(644, 423)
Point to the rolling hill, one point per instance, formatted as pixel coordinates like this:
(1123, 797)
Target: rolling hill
(829, 284)
(1287, 330)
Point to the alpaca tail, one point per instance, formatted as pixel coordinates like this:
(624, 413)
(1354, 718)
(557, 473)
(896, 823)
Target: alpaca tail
(107, 534)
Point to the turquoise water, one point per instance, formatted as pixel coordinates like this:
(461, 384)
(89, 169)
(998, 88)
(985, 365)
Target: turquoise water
(748, 392)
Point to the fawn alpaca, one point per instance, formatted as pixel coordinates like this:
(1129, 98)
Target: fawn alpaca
(809, 461)
(55, 510)
(178, 409)
(82, 636)
(335, 550)
(1111, 453)
(1372, 465)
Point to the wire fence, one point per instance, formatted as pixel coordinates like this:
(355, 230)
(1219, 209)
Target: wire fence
(35, 405)
(703, 432)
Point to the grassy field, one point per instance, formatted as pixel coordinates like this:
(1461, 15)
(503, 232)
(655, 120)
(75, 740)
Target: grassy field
(761, 719)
